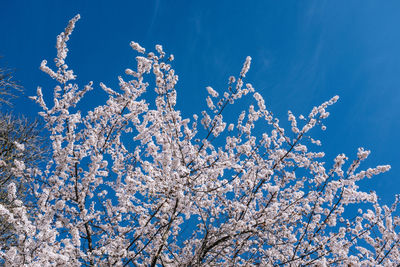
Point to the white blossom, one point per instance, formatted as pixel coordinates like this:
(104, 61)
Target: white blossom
(246, 67)
(137, 47)
(20, 147)
(211, 91)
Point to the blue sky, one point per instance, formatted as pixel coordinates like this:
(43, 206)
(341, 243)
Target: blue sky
(304, 52)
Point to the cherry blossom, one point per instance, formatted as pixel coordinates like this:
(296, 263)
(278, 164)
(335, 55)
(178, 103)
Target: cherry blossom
(131, 182)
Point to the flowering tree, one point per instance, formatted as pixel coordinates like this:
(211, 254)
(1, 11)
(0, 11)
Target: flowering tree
(20, 143)
(133, 183)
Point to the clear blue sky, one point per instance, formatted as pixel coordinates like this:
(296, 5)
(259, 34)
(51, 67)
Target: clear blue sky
(304, 52)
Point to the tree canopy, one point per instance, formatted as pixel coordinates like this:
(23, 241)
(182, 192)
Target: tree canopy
(131, 182)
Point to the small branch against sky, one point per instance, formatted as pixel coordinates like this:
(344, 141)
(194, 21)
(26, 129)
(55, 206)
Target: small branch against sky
(8, 86)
